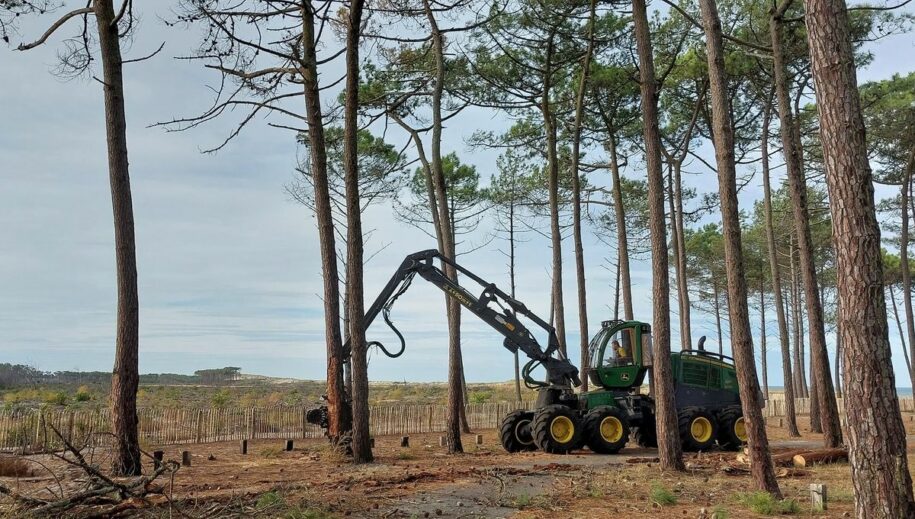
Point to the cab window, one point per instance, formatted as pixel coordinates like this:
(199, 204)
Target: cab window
(620, 348)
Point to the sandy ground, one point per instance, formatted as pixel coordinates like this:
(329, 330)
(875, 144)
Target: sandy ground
(485, 481)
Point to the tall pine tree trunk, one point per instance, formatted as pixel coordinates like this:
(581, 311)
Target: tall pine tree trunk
(904, 258)
(675, 246)
(716, 299)
(741, 336)
(622, 239)
(362, 450)
(827, 410)
(125, 377)
(762, 336)
(511, 277)
(669, 448)
(682, 279)
(549, 127)
(455, 362)
(775, 272)
(877, 446)
(902, 341)
(337, 405)
(576, 203)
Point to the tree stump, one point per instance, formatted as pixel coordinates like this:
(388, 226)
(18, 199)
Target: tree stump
(186, 458)
(404, 441)
(289, 445)
(818, 496)
(243, 447)
(157, 459)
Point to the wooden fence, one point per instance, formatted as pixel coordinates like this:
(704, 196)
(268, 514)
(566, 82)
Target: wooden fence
(32, 430)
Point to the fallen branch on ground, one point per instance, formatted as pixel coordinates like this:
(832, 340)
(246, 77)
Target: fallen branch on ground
(103, 491)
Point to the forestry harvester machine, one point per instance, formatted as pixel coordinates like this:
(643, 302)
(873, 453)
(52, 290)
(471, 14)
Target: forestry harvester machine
(706, 392)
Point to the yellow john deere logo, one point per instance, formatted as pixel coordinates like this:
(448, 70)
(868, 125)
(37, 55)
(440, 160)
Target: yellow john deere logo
(624, 377)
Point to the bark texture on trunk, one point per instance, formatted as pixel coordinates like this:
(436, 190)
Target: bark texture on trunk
(669, 448)
(741, 335)
(828, 411)
(337, 403)
(362, 450)
(125, 377)
(876, 436)
(775, 273)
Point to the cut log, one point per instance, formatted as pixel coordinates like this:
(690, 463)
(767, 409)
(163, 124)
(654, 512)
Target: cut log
(786, 459)
(822, 456)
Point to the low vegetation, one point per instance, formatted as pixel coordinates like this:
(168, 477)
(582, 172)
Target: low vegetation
(764, 504)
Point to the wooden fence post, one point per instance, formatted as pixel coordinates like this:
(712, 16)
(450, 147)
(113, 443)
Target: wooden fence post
(199, 426)
(304, 422)
(818, 496)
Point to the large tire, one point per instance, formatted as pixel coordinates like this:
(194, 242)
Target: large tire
(732, 433)
(606, 429)
(557, 429)
(515, 431)
(646, 433)
(698, 428)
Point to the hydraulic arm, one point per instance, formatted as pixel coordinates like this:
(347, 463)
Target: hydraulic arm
(493, 306)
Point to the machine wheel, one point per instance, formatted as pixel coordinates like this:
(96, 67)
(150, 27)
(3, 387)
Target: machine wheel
(515, 431)
(606, 429)
(732, 431)
(557, 429)
(646, 434)
(698, 428)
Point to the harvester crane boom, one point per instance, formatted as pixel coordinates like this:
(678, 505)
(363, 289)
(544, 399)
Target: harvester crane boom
(496, 308)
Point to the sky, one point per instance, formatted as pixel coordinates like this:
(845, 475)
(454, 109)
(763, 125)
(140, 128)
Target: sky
(229, 270)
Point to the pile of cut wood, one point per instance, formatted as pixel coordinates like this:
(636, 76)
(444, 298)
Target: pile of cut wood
(791, 462)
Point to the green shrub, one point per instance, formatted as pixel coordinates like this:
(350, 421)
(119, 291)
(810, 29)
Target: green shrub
(83, 394)
(764, 503)
(480, 397)
(661, 495)
(221, 398)
(56, 398)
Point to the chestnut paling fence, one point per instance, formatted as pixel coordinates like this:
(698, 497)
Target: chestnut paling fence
(32, 430)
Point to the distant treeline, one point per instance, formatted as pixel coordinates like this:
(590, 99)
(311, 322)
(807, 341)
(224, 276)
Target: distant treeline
(19, 375)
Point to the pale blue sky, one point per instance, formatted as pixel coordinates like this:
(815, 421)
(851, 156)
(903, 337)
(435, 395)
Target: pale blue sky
(228, 264)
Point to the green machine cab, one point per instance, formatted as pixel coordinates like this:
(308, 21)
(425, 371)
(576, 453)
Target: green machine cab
(604, 419)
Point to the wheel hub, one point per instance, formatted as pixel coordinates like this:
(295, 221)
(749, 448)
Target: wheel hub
(523, 432)
(701, 429)
(740, 429)
(611, 430)
(562, 429)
